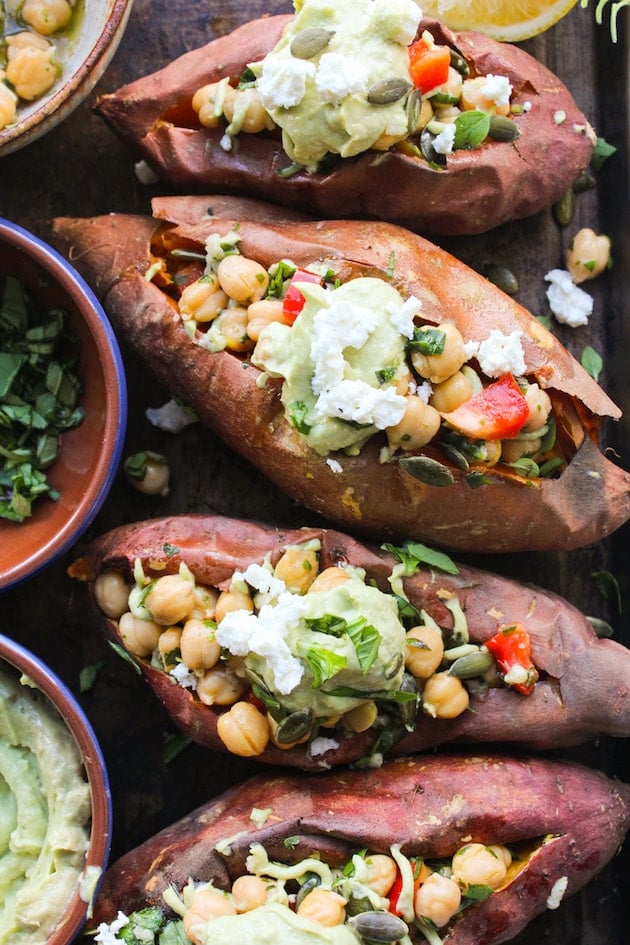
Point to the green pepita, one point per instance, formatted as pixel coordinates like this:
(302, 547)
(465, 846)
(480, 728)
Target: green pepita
(584, 182)
(379, 926)
(503, 128)
(475, 664)
(564, 208)
(459, 63)
(601, 627)
(504, 278)
(427, 470)
(308, 43)
(294, 726)
(388, 91)
(414, 107)
(311, 883)
(456, 457)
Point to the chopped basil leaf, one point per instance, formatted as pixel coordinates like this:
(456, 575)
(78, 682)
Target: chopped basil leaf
(170, 550)
(592, 362)
(141, 925)
(378, 695)
(526, 468)
(413, 554)
(476, 479)
(385, 375)
(324, 664)
(366, 640)
(297, 414)
(282, 274)
(88, 674)
(471, 129)
(601, 152)
(478, 892)
(428, 340)
(174, 746)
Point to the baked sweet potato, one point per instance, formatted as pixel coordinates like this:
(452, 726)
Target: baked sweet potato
(456, 491)
(470, 191)
(418, 672)
(560, 822)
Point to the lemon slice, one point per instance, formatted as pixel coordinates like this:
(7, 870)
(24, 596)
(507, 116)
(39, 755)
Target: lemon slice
(508, 20)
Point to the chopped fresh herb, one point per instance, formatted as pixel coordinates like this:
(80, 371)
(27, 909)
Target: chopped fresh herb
(385, 375)
(170, 550)
(428, 340)
(283, 272)
(87, 676)
(291, 842)
(378, 695)
(324, 664)
(471, 129)
(39, 394)
(601, 152)
(174, 746)
(545, 320)
(390, 267)
(412, 554)
(247, 78)
(142, 924)
(122, 652)
(476, 479)
(366, 640)
(297, 414)
(592, 362)
(478, 892)
(608, 586)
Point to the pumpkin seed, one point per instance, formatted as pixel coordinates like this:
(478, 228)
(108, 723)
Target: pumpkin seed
(584, 182)
(379, 926)
(408, 710)
(428, 151)
(503, 129)
(564, 208)
(308, 886)
(294, 726)
(504, 278)
(459, 63)
(601, 627)
(393, 667)
(414, 107)
(475, 664)
(308, 43)
(461, 649)
(456, 457)
(427, 470)
(388, 91)
(356, 905)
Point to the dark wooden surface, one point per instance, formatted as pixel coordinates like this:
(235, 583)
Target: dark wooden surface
(81, 169)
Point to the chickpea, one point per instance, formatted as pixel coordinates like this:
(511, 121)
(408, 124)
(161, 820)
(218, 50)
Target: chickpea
(244, 730)
(420, 423)
(148, 473)
(248, 892)
(362, 717)
(451, 393)
(381, 873)
(587, 255)
(539, 404)
(298, 569)
(513, 450)
(198, 646)
(246, 110)
(385, 141)
(437, 899)
(46, 16)
(171, 599)
(220, 687)
(473, 98)
(205, 602)
(32, 71)
(140, 637)
(168, 646)
(444, 696)
(232, 600)
(210, 100)
(323, 906)
(8, 104)
(403, 381)
(232, 326)
(263, 313)
(447, 114)
(203, 299)
(207, 903)
(112, 593)
(244, 280)
(478, 865)
(329, 578)
(439, 367)
(423, 660)
(502, 852)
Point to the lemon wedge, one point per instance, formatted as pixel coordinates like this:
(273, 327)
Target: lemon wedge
(507, 20)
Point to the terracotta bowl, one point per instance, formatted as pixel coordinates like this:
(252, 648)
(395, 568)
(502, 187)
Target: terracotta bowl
(90, 453)
(17, 662)
(84, 55)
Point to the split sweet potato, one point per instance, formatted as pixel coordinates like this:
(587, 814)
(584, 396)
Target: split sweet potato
(582, 681)
(565, 821)
(479, 188)
(429, 493)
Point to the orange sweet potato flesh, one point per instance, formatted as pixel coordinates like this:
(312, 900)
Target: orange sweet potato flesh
(425, 805)
(479, 189)
(589, 500)
(583, 687)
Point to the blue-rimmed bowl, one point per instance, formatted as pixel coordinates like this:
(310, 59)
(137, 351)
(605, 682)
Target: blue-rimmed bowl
(41, 686)
(90, 454)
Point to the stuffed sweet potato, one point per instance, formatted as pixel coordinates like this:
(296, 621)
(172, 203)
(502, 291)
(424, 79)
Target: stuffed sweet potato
(360, 110)
(366, 372)
(306, 648)
(448, 849)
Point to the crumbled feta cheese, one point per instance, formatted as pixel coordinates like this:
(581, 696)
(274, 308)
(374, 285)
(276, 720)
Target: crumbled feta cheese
(402, 316)
(557, 892)
(338, 76)
(282, 83)
(497, 88)
(570, 304)
(144, 173)
(358, 402)
(184, 676)
(527, 106)
(559, 117)
(424, 391)
(320, 745)
(470, 349)
(171, 416)
(226, 142)
(106, 933)
(398, 20)
(516, 676)
(334, 465)
(341, 325)
(445, 141)
(265, 635)
(262, 579)
(501, 353)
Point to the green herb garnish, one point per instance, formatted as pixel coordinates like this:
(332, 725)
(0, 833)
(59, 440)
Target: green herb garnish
(428, 341)
(471, 129)
(413, 554)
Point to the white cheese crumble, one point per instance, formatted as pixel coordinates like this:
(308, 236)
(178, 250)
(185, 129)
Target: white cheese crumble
(358, 402)
(226, 142)
(338, 76)
(499, 353)
(261, 579)
(559, 117)
(106, 933)
(144, 173)
(557, 892)
(320, 745)
(516, 676)
(571, 305)
(445, 141)
(341, 325)
(497, 89)
(282, 83)
(171, 417)
(424, 391)
(396, 19)
(402, 316)
(527, 106)
(334, 465)
(183, 676)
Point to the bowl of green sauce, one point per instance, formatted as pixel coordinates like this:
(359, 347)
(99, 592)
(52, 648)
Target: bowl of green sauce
(63, 405)
(55, 805)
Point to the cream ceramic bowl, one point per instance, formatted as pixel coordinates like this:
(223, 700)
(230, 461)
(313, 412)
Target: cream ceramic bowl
(84, 61)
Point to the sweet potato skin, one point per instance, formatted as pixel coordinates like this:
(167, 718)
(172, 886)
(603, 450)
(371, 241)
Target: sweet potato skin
(587, 502)
(583, 690)
(480, 189)
(425, 805)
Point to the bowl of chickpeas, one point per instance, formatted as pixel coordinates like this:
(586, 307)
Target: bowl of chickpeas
(52, 54)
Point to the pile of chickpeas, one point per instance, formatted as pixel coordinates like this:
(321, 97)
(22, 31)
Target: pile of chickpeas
(234, 300)
(437, 893)
(32, 65)
(178, 623)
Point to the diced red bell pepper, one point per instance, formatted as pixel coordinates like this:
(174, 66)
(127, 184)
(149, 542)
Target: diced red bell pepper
(420, 873)
(294, 300)
(428, 65)
(497, 413)
(511, 647)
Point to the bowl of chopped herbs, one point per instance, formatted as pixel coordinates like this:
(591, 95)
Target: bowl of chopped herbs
(63, 405)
